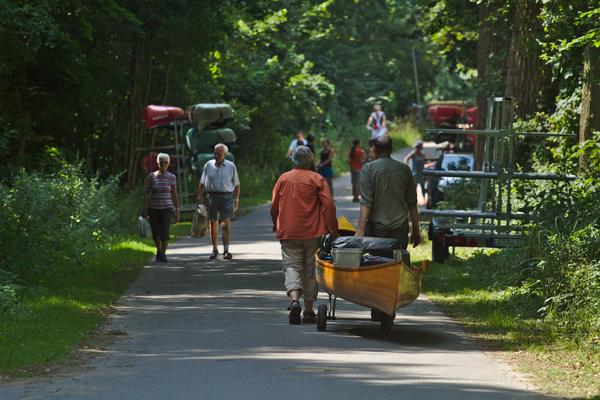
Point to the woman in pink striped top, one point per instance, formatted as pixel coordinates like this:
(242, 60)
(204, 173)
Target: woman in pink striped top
(160, 199)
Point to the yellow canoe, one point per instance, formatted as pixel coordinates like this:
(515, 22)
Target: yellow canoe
(384, 287)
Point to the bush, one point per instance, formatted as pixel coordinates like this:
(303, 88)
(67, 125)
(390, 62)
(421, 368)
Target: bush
(9, 300)
(49, 222)
(564, 253)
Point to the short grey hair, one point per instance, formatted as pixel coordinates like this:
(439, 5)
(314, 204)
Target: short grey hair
(164, 157)
(222, 146)
(303, 157)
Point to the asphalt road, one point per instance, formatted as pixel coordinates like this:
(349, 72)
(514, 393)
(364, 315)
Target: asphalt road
(199, 329)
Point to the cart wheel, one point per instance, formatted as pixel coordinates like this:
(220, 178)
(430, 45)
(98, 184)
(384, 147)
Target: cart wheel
(387, 322)
(322, 318)
(439, 252)
(377, 315)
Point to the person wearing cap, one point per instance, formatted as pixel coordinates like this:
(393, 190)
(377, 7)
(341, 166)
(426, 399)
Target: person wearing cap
(160, 199)
(302, 210)
(221, 184)
(388, 197)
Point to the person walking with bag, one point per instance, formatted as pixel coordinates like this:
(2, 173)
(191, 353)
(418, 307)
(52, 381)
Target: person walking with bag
(221, 183)
(302, 209)
(160, 199)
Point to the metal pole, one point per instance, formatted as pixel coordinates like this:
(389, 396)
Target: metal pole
(183, 169)
(510, 166)
(414, 60)
(485, 161)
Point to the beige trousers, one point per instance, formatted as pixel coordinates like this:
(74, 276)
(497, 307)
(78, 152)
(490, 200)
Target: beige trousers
(299, 266)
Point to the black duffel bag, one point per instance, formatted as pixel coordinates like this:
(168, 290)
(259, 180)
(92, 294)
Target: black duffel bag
(383, 247)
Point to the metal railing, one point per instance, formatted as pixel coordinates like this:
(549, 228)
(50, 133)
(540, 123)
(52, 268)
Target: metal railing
(497, 172)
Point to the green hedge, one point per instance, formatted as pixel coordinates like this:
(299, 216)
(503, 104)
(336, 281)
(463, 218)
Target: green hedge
(50, 222)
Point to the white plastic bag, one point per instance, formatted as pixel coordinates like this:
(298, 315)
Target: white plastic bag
(143, 227)
(199, 222)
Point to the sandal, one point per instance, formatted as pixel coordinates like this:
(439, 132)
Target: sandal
(213, 255)
(295, 311)
(309, 317)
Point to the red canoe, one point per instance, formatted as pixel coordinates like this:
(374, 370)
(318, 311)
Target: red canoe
(155, 116)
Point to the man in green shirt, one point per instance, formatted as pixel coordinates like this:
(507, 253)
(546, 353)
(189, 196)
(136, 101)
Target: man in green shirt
(388, 197)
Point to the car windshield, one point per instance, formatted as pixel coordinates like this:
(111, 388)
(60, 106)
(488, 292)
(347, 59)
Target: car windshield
(457, 163)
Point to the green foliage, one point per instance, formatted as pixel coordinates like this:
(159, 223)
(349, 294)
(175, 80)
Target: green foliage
(559, 268)
(61, 216)
(462, 195)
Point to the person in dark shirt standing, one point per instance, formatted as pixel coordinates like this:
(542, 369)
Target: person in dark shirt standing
(325, 167)
(388, 197)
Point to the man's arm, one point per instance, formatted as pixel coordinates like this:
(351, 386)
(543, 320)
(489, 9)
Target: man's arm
(362, 220)
(415, 234)
(366, 200)
(275, 205)
(369, 121)
(200, 193)
(328, 208)
(236, 197)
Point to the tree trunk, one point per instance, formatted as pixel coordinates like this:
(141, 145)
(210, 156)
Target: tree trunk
(133, 111)
(589, 121)
(524, 70)
(491, 47)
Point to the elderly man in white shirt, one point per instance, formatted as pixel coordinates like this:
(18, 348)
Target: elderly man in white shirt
(221, 183)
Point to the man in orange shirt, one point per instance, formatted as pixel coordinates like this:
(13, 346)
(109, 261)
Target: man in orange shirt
(302, 210)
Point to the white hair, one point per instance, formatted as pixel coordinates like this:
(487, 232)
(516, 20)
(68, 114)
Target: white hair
(302, 157)
(163, 156)
(222, 146)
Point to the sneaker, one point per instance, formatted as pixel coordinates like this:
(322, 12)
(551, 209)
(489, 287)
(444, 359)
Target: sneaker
(213, 255)
(309, 317)
(227, 255)
(163, 258)
(295, 311)
(158, 257)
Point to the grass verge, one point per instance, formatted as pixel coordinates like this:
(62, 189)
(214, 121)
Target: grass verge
(51, 321)
(506, 323)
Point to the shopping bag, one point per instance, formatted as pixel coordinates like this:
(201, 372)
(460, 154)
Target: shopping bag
(199, 222)
(143, 227)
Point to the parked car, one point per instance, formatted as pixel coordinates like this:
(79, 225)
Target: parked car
(436, 185)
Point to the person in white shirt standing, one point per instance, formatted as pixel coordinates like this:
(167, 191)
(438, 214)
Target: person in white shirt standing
(377, 122)
(221, 183)
(298, 141)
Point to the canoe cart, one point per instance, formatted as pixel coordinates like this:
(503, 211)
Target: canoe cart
(383, 288)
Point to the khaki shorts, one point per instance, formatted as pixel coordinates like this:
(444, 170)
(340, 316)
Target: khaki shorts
(299, 266)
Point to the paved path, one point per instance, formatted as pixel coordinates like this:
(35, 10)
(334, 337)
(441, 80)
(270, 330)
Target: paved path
(218, 330)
